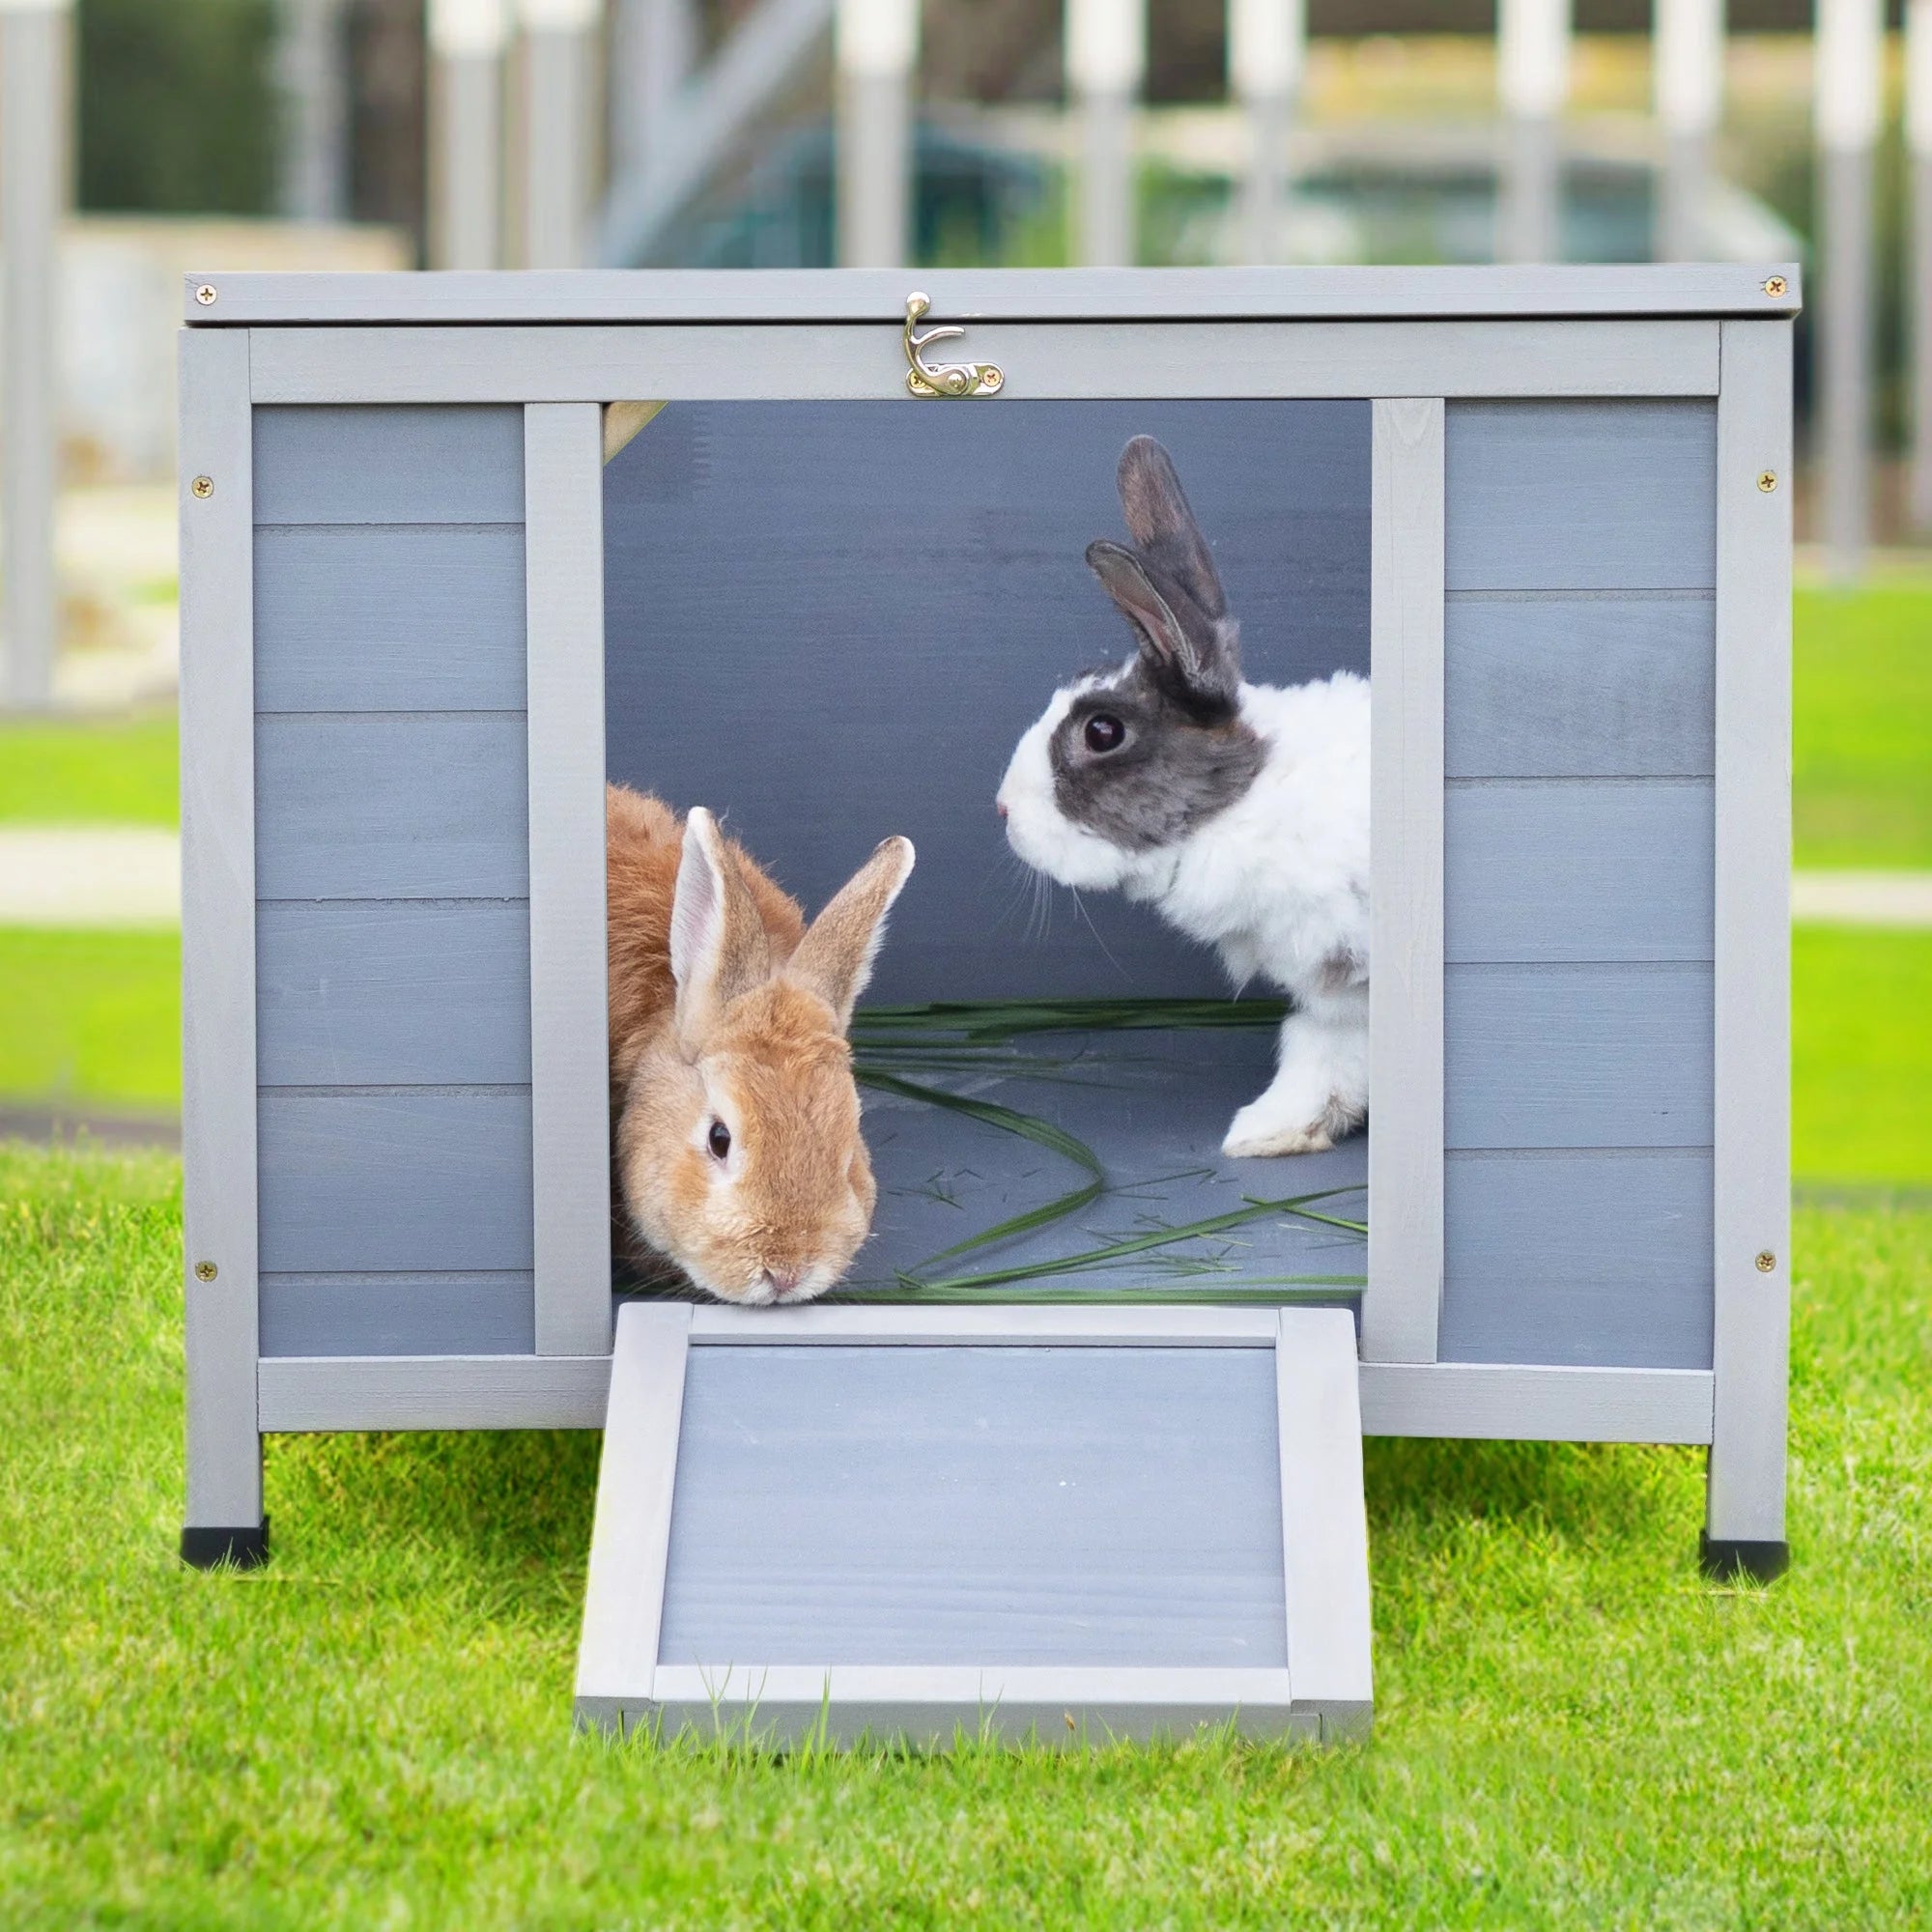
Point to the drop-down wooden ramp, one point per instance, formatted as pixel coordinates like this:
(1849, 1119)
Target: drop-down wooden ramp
(1063, 1522)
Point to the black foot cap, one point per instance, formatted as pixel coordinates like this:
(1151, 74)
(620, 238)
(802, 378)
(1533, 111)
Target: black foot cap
(208, 1548)
(1724, 1562)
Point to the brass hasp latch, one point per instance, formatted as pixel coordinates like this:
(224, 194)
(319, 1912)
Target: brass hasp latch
(943, 378)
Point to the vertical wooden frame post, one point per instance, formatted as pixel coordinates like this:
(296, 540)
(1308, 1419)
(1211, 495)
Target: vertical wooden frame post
(1401, 1308)
(570, 1125)
(224, 1516)
(1751, 1344)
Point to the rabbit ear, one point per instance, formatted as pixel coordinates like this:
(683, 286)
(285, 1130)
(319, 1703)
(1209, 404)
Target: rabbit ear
(1191, 654)
(718, 943)
(1162, 525)
(835, 957)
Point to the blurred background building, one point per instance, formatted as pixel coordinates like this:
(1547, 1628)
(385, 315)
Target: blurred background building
(482, 133)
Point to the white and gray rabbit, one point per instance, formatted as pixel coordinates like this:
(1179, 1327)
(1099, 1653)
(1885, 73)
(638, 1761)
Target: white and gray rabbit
(1239, 811)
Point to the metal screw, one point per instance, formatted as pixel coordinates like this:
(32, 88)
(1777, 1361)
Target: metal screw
(1773, 286)
(205, 295)
(203, 487)
(1766, 1261)
(205, 1270)
(1767, 480)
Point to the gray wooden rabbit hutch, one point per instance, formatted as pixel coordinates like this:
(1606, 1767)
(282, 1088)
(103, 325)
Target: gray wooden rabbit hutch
(1570, 506)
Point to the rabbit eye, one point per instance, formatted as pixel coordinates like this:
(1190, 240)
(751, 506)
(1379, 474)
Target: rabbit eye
(1104, 732)
(720, 1139)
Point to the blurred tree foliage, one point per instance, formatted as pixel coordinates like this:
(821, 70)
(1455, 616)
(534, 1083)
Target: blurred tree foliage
(177, 106)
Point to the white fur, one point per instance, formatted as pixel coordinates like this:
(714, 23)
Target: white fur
(1278, 884)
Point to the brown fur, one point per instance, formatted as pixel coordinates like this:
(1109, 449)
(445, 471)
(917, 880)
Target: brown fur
(752, 1042)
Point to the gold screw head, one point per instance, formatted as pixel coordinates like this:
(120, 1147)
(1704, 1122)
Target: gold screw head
(205, 1270)
(1766, 1261)
(203, 487)
(1774, 286)
(1767, 480)
(205, 295)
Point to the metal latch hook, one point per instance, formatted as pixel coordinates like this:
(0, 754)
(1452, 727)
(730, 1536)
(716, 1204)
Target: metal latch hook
(943, 378)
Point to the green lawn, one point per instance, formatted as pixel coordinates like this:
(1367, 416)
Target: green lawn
(92, 1019)
(90, 771)
(1572, 1728)
(1861, 704)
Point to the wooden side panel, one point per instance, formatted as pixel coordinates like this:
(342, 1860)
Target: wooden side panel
(393, 992)
(396, 806)
(1556, 686)
(352, 465)
(1594, 496)
(368, 618)
(1587, 869)
(1580, 1056)
(1578, 1258)
(478, 1313)
(1581, 884)
(393, 943)
(411, 1178)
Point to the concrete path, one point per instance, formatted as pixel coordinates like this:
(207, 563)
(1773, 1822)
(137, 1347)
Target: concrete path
(112, 876)
(89, 876)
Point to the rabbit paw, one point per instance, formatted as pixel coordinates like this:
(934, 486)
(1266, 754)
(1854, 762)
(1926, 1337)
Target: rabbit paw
(1255, 1135)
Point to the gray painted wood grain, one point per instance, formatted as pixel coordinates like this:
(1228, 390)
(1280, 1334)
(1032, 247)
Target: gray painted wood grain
(1578, 1056)
(788, 295)
(392, 806)
(1590, 1258)
(1579, 869)
(383, 618)
(433, 1179)
(757, 555)
(397, 993)
(1591, 495)
(447, 464)
(445, 1314)
(1579, 687)
(1007, 1505)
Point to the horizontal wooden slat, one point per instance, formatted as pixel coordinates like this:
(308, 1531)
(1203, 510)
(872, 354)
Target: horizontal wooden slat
(390, 807)
(1067, 360)
(453, 464)
(1579, 687)
(1592, 495)
(1011, 1505)
(1582, 870)
(1590, 1257)
(393, 993)
(407, 1180)
(1578, 1056)
(862, 294)
(475, 1314)
(389, 618)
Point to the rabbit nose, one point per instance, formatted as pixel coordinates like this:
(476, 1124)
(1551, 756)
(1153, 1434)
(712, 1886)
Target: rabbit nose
(1000, 806)
(783, 1281)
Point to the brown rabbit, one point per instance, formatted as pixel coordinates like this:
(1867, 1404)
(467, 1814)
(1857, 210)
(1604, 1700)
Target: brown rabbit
(738, 1154)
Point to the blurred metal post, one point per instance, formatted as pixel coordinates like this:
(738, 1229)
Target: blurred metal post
(654, 47)
(875, 45)
(312, 58)
(1919, 275)
(560, 127)
(1687, 87)
(1533, 83)
(1268, 43)
(1847, 80)
(1105, 55)
(34, 132)
(467, 39)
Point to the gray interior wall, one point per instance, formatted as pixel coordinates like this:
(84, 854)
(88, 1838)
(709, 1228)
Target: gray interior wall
(392, 879)
(1579, 683)
(836, 619)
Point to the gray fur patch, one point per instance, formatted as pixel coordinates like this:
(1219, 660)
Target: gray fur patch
(1172, 771)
